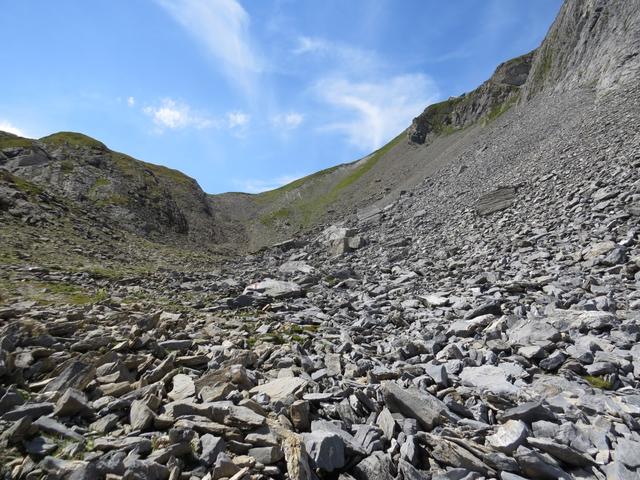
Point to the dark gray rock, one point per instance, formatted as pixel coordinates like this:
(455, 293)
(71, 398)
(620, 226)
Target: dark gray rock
(496, 201)
(413, 403)
(326, 449)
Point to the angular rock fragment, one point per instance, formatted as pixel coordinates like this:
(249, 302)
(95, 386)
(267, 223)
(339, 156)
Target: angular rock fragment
(413, 403)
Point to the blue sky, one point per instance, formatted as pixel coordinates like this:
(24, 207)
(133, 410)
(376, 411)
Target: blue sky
(245, 95)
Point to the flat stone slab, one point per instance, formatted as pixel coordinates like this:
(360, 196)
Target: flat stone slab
(281, 388)
(500, 199)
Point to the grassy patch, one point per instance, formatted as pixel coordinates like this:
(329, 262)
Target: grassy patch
(131, 167)
(114, 200)
(20, 183)
(66, 166)
(439, 114)
(543, 67)
(74, 139)
(310, 209)
(272, 195)
(599, 382)
(102, 182)
(271, 218)
(11, 141)
(502, 108)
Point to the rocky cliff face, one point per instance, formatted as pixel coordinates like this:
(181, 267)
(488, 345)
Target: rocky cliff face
(491, 99)
(147, 199)
(592, 43)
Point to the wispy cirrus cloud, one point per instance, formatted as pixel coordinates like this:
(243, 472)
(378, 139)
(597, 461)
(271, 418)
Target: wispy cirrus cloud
(288, 121)
(222, 27)
(375, 111)
(346, 56)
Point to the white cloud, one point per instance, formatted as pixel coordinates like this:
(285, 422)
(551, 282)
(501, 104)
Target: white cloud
(222, 26)
(175, 115)
(237, 119)
(131, 101)
(7, 126)
(289, 121)
(348, 56)
(379, 110)
(264, 185)
(310, 45)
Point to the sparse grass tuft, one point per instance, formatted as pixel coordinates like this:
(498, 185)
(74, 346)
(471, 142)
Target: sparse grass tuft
(66, 166)
(599, 382)
(21, 184)
(502, 108)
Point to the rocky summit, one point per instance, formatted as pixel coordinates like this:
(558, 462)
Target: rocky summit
(462, 304)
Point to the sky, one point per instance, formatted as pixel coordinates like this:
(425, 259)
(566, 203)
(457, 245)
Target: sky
(247, 95)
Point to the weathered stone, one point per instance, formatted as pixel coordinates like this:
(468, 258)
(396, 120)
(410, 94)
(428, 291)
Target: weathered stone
(266, 455)
(564, 453)
(326, 450)
(534, 465)
(528, 412)
(71, 403)
(276, 289)
(299, 414)
(183, 387)
(140, 416)
(411, 402)
(49, 425)
(387, 423)
(496, 200)
(29, 410)
(77, 375)
(281, 388)
(377, 466)
(509, 436)
(211, 446)
(489, 378)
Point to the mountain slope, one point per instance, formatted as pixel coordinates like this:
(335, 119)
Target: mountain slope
(592, 46)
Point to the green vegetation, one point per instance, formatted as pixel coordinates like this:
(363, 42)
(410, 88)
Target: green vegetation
(305, 210)
(439, 115)
(271, 195)
(501, 108)
(50, 293)
(599, 382)
(131, 167)
(368, 165)
(73, 139)
(542, 67)
(12, 141)
(66, 166)
(114, 200)
(64, 293)
(281, 214)
(102, 182)
(20, 183)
